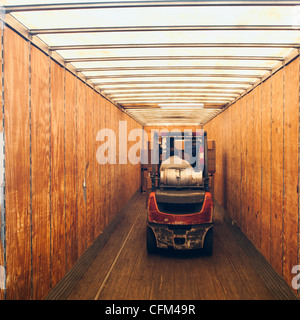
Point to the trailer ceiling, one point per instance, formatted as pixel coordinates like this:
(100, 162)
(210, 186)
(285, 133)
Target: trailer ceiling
(198, 55)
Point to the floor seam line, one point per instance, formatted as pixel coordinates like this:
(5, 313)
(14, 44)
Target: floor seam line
(116, 259)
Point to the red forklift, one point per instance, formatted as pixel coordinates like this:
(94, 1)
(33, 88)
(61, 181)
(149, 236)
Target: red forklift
(180, 205)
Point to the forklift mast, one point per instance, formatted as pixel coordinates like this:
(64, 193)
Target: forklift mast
(191, 147)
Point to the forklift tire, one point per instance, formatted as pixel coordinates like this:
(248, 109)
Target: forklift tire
(208, 242)
(151, 241)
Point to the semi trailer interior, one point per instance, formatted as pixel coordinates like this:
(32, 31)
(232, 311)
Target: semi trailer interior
(87, 86)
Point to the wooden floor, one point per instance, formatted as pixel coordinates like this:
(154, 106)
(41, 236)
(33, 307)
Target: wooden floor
(124, 270)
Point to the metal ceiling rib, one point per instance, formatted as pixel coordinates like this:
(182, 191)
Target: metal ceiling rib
(170, 75)
(143, 4)
(171, 58)
(165, 28)
(174, 45)
(171, 94)
(141, 59)
(230, 82)
(175, 68)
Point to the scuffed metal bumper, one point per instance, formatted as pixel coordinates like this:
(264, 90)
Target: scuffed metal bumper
(180, 237)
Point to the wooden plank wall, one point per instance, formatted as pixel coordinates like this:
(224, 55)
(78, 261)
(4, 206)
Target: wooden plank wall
(2, 254)
(81, 160)
(261, 132)
(290, 164)
(40, 172)
(17, 166)
(70, 170)
(266, 156)
(89, 143)
(58, 198)
(277, 171)
(96, 170)
(58, 238)
(257, 166)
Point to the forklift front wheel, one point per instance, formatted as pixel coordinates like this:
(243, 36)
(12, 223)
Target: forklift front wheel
(151, 241)
(208, 242)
